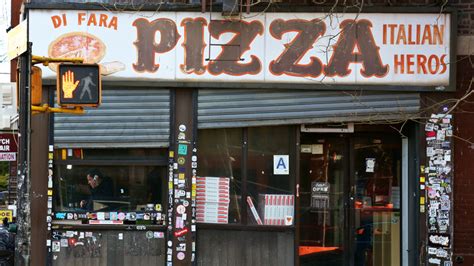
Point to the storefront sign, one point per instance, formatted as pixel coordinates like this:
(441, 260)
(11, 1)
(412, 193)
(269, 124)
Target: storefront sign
(8, 147)
(383, 49)
(320, 195)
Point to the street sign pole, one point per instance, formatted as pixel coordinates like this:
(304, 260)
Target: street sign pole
(23, 237)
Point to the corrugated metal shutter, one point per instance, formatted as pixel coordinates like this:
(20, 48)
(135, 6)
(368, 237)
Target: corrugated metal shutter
(242, 108)
(128, 117)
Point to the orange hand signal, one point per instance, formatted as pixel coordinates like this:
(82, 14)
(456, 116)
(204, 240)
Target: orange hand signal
(69, 86)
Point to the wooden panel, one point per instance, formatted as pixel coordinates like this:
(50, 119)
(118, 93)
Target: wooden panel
(250, 248)
(39, 187)
(109, 248)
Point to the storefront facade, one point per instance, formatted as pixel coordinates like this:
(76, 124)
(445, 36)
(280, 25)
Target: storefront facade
(276, 139)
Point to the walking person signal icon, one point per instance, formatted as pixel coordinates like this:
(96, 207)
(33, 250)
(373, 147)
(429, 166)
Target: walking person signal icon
(79, 85)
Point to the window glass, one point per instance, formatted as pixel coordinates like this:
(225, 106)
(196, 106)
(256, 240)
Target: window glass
(111, 187)
(268, 176)
(377, 168)
(218, 194)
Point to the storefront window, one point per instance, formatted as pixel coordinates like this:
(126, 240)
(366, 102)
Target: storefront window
(220, 178)
(85, 183)
(269, 181)
(269, 199)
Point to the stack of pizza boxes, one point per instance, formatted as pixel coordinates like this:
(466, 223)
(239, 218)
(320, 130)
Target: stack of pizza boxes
(212, 200)
(276, 209)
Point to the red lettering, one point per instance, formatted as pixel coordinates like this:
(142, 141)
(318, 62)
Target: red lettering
(103, 20)
(433, 66)
(399, 63)
(421, 63)
(443, 64)
(410, 63)
(57, 21)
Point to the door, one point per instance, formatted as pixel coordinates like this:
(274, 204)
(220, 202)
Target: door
(376, 176)
(323, 201)
(349, 200)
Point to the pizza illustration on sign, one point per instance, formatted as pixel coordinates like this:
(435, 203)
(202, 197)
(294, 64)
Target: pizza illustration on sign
(82, 45)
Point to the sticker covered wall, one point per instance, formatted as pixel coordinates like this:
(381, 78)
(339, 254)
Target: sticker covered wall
(438, 177)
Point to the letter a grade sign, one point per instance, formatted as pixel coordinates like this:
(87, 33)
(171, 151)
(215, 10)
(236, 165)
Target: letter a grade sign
(79, 85)
(281, 164)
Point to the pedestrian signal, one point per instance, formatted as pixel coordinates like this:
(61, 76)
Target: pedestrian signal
(79, 85)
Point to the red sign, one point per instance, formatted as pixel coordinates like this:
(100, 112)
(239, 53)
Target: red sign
(8, 147)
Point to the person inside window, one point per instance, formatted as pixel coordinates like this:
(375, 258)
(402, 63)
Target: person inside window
(101, 188)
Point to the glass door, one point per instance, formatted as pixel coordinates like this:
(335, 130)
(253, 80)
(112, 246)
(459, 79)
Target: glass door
(376, 201)
(349, 200)
(322, 196)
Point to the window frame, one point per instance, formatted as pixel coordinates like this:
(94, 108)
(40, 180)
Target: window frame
(58, 224)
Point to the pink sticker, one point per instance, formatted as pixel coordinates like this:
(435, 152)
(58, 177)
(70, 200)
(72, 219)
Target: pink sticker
(180, 255)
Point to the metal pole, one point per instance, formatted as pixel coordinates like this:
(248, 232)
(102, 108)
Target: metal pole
(23, 237)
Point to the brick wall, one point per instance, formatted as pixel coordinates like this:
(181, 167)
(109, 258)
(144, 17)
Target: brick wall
(464, 166)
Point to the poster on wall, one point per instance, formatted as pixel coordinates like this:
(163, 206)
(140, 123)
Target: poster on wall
(298, 48)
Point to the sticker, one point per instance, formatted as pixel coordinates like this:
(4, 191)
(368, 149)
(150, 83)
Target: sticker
(131, 216)
(180, 209)
(64, 243)
(181, 136)
(179, 223)
(158, 235)
(149, 234)
(182, 128)
(281, 164)
(185, 203)
(146, 216)
(429, 127)
(181, 247)
(170, 243)
(56, 247)
(194, 165)
(180, 255)
(113, 216)
(121, 216)
(434, 261)
(181, 232)
(182, 149)
(440, 240)
(194, 158)
(181, 176)
(101, 216)
(369, 165)
(120, 236)
(181, 160)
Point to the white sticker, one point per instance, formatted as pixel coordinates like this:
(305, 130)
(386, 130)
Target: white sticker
(369, 165)
(180, 255)
(281, 164)
(182, 128)
(120, 236)
(180, 209)
(56, 246)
